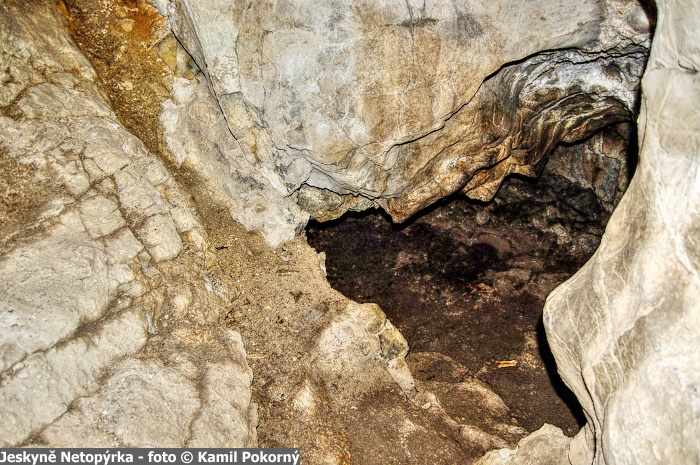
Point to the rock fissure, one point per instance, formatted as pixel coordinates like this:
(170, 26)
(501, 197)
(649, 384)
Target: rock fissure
(156, 290)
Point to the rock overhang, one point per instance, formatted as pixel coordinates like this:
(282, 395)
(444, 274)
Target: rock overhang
(394, 102)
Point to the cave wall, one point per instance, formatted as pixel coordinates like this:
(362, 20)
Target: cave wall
(397, 105)
(604, 163)
(101, 260)
(133, 311)
(624, 328)
(119, 261)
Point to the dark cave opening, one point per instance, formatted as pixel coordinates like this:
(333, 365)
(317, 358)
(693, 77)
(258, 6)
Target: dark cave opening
(465, 281)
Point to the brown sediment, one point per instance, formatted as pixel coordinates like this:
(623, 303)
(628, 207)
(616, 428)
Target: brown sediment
(119, 37)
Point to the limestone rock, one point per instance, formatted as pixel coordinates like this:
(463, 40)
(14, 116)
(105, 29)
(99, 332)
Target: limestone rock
(624, 328)
(124, 282)
(197, 136)
(227, 386)
(137, 399)
(92, 243)
(351, 349)
(161, 237)
(392, 102)
(546, 446)
(601, 163)
(63, 375)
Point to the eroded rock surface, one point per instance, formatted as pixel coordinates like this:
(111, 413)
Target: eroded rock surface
(623, 328)
(604, 163)
(133, 308)
(546, 446)
(134, 312)
(100, 269)
(385, 100)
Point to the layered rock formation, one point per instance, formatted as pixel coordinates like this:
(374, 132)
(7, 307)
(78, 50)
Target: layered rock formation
(135, 312)
(133, 307)
(389, 104)
(101, 255)
(603, 163)
(623, 328)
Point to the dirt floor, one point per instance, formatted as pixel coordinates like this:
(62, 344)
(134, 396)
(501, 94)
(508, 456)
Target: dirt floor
(465, 283)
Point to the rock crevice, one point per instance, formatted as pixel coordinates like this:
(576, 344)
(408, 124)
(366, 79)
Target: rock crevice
(156, 290)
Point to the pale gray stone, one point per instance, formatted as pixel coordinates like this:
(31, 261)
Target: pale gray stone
(394, 104)
(600, 164)
(145, 405)
(140, 407)
(74, 177)
(49, 289)
(160, 237)
(225, 416)
(183, 218)
(72, 288)
(137, 196)
(313, 99)
(153, 170)
(196, 133)
(624, 328)
(123, 246)
(36, 102)
(74, 428)
(356, 348)
(40, 391)
(546, 446)
(100, 216)
(102, 143)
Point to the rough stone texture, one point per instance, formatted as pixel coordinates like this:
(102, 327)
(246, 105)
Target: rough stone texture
(624, 328)
(604, 163)
(129, 297)
(385, 100)
(546, 446)
(198, 138)
(120, 293)
(95, 235)
(343, 349)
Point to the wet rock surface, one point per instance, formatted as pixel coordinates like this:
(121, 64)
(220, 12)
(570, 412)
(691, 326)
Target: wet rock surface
(465, 283)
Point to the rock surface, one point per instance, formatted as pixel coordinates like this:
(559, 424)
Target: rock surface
(386, 101)
(132, 307)
(198, 138)
(604, 163)
(624, 328)
(134, 312)
(97, 240)
(483, 271)
(546, 446)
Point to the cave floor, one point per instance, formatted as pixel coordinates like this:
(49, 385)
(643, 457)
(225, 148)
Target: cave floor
(465, 282)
